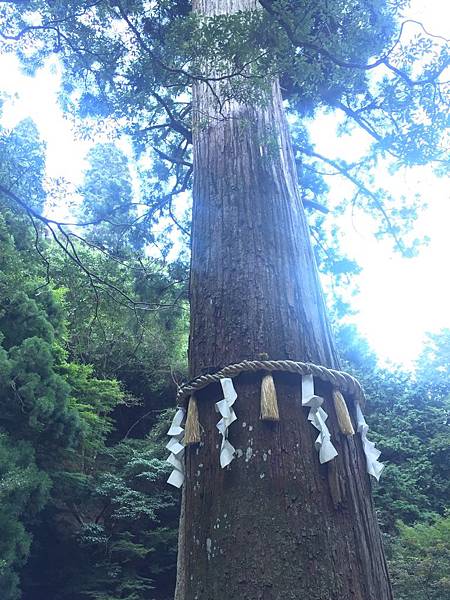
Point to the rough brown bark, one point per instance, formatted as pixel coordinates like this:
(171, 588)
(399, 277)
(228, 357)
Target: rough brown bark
(275, 524)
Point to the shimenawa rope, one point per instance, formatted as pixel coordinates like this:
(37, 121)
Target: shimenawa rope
(339, 379)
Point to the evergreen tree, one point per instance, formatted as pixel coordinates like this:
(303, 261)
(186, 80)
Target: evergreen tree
(62, 488)
(409, 417)
(80, 515)
(108, 201)
(36, 420)
(421, 561)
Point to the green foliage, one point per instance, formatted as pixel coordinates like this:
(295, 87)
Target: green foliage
(108, 501)
(93, 400)
(23, 491)
(36, 419)
(120, 528)
(64, 489)
(408, 416)
(34, 402)
(22, 162)
(132, 64)
(108, 202)
(143, 346)
(420, 563)
(433, 365)
(413, 436)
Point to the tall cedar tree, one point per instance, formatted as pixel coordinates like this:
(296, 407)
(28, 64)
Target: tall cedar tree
(276, 524)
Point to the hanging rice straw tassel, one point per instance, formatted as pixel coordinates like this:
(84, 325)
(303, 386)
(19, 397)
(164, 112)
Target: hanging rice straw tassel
(269, 404)
(343, 416)
(192, 425)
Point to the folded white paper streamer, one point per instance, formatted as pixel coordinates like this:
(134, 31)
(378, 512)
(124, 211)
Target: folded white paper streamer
(176, 449)
(225, 408)
(374, 467)
(317, 416)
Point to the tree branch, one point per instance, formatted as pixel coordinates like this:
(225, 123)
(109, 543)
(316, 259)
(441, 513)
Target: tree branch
(359, 185)
(95, 280)
(340, 62)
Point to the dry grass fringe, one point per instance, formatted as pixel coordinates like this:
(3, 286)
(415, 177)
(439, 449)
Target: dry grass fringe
(343, 416)
(192, 425)
(269, 403)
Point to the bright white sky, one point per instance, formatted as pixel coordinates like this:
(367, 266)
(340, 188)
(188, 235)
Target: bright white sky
(399, 299)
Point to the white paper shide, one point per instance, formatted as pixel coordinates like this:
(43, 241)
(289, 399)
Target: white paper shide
(318, 416)
(225, 408)
(374, 466)
(176, 449)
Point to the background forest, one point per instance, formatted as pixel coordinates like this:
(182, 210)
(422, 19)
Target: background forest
(93, 341)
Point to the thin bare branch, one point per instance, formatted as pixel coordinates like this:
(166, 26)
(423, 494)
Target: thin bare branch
(344, 170)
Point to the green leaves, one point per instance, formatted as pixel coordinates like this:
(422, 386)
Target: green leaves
(420, 561)
(24, 490)
(408, 417)
(125, 536)
(67, 481)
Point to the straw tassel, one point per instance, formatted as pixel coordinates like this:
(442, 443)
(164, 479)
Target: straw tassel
(343, 416)
(192, 425)
(269, 404)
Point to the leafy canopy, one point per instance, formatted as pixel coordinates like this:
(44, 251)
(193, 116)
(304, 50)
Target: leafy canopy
(131, 63)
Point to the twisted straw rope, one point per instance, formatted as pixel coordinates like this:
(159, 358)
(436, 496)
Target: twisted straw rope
(339, 379)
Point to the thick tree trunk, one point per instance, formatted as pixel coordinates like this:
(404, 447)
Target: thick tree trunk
(275, 524)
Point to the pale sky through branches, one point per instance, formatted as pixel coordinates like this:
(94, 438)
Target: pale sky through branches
(399, 299)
